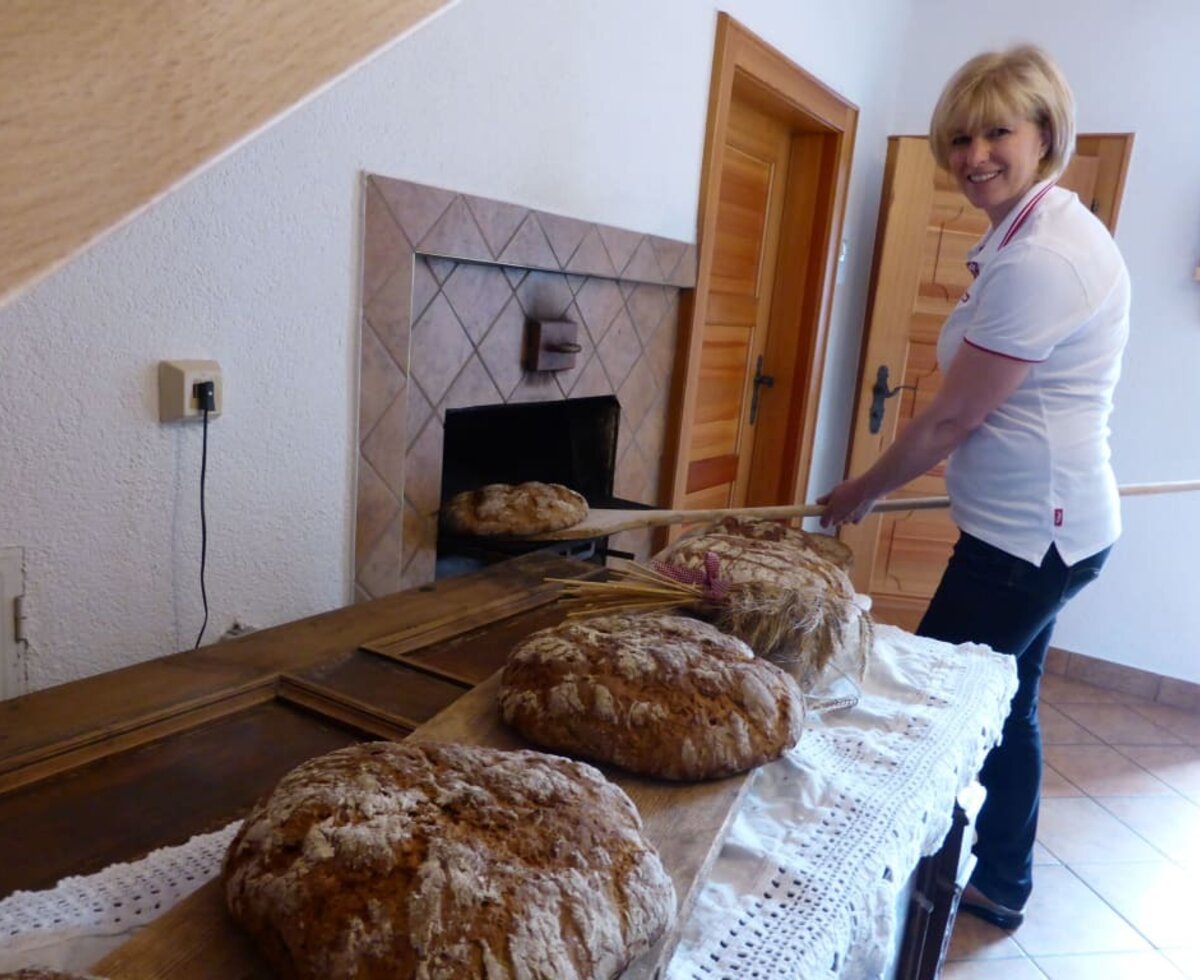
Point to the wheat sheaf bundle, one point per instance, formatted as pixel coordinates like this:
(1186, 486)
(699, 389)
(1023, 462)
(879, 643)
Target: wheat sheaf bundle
(800, 630)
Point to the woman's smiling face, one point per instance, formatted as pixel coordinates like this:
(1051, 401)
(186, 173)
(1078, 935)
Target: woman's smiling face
(998, 163)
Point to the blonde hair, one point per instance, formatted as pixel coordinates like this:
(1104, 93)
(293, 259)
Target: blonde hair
(996, 86)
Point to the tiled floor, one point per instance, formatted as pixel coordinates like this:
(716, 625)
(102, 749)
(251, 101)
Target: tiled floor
(1115, 887)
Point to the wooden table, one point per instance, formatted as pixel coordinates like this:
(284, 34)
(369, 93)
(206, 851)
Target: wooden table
(109, 768)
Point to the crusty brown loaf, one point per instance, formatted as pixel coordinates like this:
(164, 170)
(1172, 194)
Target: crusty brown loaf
(822, 545)
(791, 605)
(446, 862)
(514, 510)
(663, 695)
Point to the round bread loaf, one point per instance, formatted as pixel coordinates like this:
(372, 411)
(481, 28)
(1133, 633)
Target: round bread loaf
(788, 603)
(822, 545)
(514, 511)
(663, 695)
(446, 862)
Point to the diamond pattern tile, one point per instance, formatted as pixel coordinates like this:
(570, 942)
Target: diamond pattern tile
(643, 264)
(619, 349)
(379, 570)
(503, 347)
(377, 507)
(529, 247)
(474, 386)
(383, 447)
(423, 471)
(497, 220)
(599, 301)
(591, 257)
(424, 287)
(564, 235)
(384, 244)
(455, 233)
(415, 207)
(380, 381)
(646, 305)
(419, 412)
(477, 293)
(592, 380)
(544, 295)
(390, 311)
(638, 393)
(440, 349)
(620, 245)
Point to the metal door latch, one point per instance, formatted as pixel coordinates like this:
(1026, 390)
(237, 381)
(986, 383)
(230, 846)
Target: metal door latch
(880, 393)
(760, 381)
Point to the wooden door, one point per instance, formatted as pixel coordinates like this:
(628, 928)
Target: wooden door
(925, 229)
(773, 190)
(752, 182)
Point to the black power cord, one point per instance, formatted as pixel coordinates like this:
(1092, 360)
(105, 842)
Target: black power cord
(206, 401)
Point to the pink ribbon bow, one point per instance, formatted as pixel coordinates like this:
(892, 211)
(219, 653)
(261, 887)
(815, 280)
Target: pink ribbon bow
(715, 588)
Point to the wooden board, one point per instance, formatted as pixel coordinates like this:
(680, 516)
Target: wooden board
(686, 822)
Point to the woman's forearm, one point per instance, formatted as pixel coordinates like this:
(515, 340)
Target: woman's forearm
(922, 444)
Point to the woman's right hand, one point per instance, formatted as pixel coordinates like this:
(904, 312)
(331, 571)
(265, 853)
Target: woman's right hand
(847, 503)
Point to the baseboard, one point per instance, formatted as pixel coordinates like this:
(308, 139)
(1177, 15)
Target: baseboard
(1127, 680)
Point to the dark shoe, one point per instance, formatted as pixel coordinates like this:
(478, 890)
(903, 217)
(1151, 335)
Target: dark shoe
(980, 906)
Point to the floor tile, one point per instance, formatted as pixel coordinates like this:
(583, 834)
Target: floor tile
(1185, 724)
(1171, 824)
(1054, 783)
(1058, 729)
(1064, 916)
(1178, 766)
(1058, 691)
(1119, 724)
(974, 939)
(992, 970)
(1109, 966)
(1080, 830)
(1099, 770)
(1187, 961)
(1043, 855)
(1155, 898)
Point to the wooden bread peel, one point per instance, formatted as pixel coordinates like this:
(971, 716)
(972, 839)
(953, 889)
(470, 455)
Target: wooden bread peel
(599, 523)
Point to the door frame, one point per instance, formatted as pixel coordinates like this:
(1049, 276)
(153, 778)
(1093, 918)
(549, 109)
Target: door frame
(811, 227)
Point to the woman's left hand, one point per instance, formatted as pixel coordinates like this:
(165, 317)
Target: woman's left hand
(847, 503)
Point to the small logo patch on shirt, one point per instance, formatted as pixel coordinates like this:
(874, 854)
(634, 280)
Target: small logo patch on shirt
(1058, 517)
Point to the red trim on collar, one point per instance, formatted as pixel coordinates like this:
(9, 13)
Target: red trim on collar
(988, 350)
(1025, 212)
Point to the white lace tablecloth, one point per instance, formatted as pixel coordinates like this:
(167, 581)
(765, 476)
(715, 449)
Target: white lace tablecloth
(805, 886)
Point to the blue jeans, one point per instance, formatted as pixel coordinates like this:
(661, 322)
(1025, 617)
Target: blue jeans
(988, 596)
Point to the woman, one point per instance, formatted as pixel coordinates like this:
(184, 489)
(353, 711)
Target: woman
(1029, 361)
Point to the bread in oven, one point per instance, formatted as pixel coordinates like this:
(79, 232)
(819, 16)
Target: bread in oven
(503, 509)
(447, 862)
(664, 695)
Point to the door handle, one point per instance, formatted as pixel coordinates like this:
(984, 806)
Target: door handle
(880, 393)
(760, 381)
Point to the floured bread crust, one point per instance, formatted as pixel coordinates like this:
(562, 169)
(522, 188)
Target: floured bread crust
(663, 695)
(446, 862)
(822, 545)
(790, 604)
(514, 510)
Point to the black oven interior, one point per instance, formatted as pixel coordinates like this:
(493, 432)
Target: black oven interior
(572, 442)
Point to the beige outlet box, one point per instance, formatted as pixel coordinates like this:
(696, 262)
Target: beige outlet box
(176, 389)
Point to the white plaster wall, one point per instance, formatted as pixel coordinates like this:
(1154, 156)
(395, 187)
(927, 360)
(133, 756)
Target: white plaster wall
(1132, 67)
(593, 108)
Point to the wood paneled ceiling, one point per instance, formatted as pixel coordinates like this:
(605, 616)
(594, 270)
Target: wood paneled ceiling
(104, 107)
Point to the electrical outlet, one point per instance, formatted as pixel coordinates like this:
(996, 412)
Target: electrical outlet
(176, 389)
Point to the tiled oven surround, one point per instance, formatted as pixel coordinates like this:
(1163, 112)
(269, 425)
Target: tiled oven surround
(449, 281)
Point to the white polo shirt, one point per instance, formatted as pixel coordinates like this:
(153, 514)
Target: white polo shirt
(1052, 290)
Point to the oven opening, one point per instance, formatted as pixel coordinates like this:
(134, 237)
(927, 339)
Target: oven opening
(572, 442)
